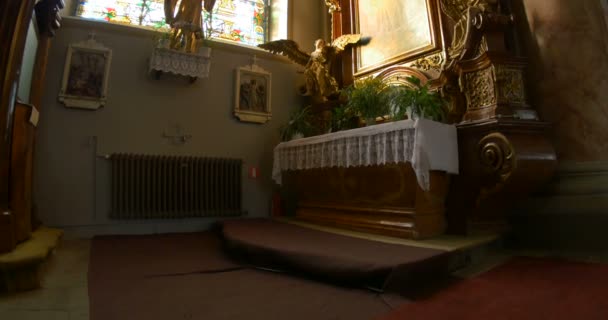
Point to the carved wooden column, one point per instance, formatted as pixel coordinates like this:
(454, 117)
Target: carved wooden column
(493, 86)
(504, 150)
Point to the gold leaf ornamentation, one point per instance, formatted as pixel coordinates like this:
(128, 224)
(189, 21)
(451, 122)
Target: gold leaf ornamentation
(432, 62)
(479, 88)
(510, 85)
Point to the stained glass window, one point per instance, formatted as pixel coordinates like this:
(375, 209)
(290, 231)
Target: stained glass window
(242, 21)
(147, 13)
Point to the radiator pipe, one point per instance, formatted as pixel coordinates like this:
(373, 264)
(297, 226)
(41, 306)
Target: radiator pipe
(93, 142)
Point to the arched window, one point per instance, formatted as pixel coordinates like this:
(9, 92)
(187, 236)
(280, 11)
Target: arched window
(242, 21)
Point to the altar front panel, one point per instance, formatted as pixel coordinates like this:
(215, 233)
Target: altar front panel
(384, 199)
(390, 178)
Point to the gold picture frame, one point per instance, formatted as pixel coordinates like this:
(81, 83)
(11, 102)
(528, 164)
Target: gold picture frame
(85, 75)
(252, 94)
(401, 30)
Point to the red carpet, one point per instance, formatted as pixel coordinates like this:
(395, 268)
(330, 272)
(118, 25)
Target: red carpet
(524, 288)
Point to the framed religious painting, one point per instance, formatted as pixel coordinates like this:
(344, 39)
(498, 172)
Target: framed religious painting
(252, 94)
(85, 75)
(400, 30)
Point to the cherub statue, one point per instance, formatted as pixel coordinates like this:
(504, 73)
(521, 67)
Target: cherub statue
(319, 81)
(186, 22)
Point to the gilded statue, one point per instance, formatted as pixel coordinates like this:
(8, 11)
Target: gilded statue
(317, 64)
(333, 6)
(186, 22)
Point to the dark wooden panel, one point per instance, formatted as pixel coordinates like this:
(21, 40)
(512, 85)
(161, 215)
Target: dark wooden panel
(501, 162)
(379, 199)
(7, 232)
(22, 149)
(15, 16)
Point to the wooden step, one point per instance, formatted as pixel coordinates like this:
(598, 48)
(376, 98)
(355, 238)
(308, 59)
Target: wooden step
(20, 269)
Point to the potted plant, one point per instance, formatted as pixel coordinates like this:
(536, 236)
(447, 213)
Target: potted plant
(298, 126)
(343, 118)
(162, 37)
(369, 98)
(417, 101)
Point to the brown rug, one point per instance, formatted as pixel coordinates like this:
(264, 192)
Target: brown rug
(160, 254)
(186, 276)
(524, 288)
(333, 257)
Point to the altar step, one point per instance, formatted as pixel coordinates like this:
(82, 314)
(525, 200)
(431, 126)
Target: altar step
(21, 269)
(397, 222)
(348, 257)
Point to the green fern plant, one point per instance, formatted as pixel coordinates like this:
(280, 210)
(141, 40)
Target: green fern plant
(299, 123)
(343, 118)
(417, 101)
(368, 98)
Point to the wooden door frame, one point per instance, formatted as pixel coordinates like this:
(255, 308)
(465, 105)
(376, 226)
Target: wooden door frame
(16, 16)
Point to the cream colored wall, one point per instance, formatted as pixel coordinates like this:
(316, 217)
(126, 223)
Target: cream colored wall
(71, 183)
(308, 22)
(567, 44)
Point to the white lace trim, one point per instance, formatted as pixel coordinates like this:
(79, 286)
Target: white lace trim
(427, 145)
(181, 63)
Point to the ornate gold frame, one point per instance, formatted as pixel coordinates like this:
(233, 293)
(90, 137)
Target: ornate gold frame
(436, 41)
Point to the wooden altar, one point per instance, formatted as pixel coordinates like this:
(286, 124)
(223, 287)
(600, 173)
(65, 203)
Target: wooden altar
(379, 199)
(390, 178)
(468, 55)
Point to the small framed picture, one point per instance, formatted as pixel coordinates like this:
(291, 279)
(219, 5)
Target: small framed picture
(85, 75)
(252, 98)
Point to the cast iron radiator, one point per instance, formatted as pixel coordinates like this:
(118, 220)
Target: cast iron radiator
(154, 186)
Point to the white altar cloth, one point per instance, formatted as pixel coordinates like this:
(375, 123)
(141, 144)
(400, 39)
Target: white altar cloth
(426, 144)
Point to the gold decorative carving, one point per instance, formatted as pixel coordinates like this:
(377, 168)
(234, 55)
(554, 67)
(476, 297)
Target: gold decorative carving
(479, 88)
(397, 76)
(498, 162)
(510, 85)
(333, 6)
(469, 16)
(434, 62)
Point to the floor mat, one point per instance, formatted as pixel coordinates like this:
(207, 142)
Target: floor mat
(186, 276)
(383, 266)
(157, 255)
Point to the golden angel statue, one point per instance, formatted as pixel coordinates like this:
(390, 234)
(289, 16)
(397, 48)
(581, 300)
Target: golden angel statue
(333, 5)
(186, 22)
(319, 81)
